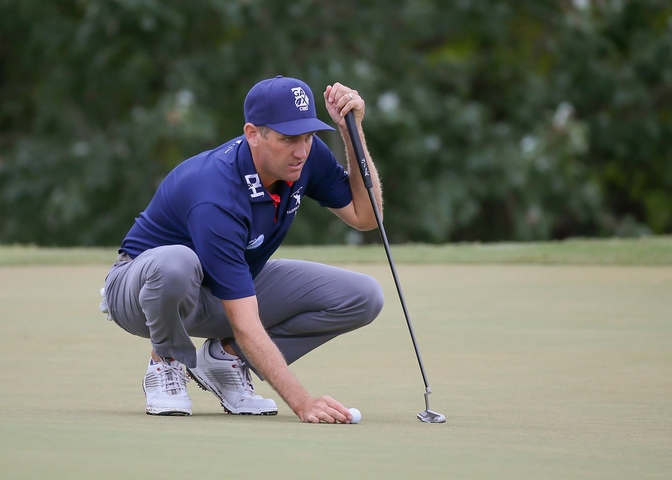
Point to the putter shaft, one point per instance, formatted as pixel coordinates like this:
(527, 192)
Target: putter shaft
(366, 177)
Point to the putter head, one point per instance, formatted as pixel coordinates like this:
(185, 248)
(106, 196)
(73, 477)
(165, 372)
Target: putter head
(430, 416)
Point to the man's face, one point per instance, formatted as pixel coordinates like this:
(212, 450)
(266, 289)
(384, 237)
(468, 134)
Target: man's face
(280, 157)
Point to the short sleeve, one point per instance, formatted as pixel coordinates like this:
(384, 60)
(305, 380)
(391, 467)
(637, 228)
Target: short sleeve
(329, 183)
(219, 238)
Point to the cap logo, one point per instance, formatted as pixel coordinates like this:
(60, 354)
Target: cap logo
(300, 99)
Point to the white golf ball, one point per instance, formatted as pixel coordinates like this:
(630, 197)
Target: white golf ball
(356, 415)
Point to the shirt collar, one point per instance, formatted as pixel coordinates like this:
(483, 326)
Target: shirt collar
(248, 172)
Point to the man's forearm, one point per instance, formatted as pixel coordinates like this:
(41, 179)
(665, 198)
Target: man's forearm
(270, 363)
(359, 192)
(260, 350)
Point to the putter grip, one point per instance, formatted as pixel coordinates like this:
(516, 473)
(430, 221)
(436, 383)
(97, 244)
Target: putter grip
(359, 149)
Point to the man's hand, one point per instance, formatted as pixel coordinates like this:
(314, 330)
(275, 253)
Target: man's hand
(324, 409)
(339, 100)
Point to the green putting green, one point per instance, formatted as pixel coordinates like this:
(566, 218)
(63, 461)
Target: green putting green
(543, 371)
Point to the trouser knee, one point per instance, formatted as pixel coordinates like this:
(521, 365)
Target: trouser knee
(367, 300)
(375, 302)
(176, 273)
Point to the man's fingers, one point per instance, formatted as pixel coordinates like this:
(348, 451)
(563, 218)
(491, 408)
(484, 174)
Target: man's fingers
(327, 410)
(343, 99)
(313, 419)
(335, 411)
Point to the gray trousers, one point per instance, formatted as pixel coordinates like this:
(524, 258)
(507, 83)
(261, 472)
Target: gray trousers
(159, 295)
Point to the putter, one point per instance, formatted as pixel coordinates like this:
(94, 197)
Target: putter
(427, 416)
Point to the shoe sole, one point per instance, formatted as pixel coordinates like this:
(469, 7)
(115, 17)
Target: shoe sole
(203, 386)
(164, 413)
(168, 413)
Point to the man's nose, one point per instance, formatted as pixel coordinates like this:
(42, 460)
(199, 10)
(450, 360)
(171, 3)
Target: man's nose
(302, 149)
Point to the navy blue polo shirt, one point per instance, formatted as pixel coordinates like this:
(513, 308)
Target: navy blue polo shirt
(215, 204)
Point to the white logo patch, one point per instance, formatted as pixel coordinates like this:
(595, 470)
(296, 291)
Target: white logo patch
(297, 198)
(232, 146)
(255, 243)
(253, 183)
(300, 99)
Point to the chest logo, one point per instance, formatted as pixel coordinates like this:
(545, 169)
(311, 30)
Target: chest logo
(255, 243)
(254, 184)
(297, 199)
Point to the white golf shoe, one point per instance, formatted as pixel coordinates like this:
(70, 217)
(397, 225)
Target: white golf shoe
(230, 381)
(165, 387)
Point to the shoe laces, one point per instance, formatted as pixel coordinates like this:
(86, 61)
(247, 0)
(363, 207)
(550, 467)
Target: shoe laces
(245, 379)
(173, 379)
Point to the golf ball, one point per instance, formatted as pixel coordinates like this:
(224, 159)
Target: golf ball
(356, 415)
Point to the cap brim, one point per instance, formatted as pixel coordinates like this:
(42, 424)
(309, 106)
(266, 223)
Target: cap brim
(300, 127)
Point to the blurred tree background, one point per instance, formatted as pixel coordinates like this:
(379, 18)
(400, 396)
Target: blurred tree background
(489, 120)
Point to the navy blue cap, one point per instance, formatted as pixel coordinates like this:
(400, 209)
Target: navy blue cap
(283, 104)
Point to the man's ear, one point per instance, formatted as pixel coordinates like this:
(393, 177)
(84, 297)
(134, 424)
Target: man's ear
(252, 134)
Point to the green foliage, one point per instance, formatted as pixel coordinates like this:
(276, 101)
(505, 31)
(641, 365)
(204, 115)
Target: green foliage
(488, 119)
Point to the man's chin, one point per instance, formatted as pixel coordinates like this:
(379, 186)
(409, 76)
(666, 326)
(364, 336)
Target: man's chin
(293, 176)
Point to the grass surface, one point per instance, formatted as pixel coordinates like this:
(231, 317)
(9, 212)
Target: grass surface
(543, 371)
(641, 251)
